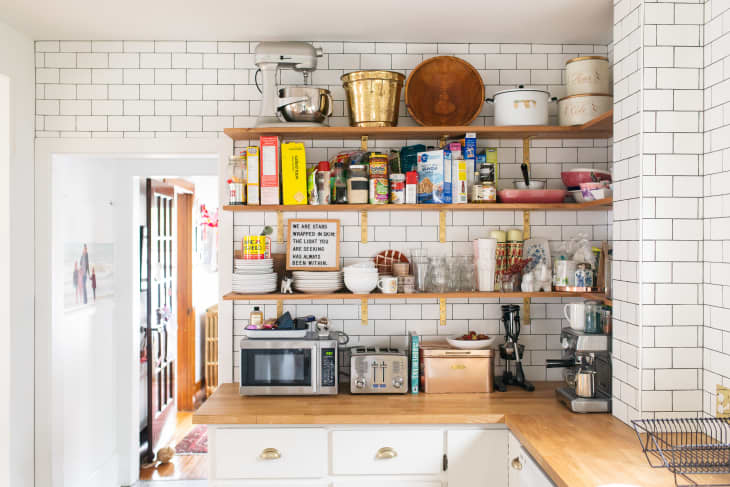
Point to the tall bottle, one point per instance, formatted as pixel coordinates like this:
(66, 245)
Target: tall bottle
(340, 184)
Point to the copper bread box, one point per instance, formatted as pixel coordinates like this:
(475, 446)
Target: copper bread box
(447, 369)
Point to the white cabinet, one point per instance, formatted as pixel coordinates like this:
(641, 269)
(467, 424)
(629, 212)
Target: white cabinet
(477, 458)
(387, 452)
(269, 453)
(523, 470)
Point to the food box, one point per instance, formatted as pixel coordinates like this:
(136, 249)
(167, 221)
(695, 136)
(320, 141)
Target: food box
(252, 173)
(269, 170)
(293, 174)
(432, 177)
(459, 184)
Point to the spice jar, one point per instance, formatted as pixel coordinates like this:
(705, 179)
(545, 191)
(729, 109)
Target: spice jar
(411, 187)
(357, 185)
(398, 189)
(322, 180)
(237, 180)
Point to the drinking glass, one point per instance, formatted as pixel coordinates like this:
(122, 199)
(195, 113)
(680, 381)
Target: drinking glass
(438, 275)
(467, 274)
(421, 266)
(453, 274)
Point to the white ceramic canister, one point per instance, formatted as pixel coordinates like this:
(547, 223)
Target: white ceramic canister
(587, 74)
(520, 106)
(579, 109)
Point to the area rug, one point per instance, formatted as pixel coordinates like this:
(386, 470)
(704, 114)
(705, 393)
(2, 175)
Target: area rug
(194, 442)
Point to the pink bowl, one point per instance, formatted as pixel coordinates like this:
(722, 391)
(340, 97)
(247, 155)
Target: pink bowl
(532, 195)
(574, 178)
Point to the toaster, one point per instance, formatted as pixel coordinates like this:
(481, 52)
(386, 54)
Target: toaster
(378, 370)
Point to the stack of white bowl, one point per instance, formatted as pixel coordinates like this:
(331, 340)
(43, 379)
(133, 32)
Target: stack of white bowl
(361, 278)
(253, 276)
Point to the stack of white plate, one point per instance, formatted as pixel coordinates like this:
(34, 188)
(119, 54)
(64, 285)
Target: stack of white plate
(261, 266)
(318, 282)
(253, 276)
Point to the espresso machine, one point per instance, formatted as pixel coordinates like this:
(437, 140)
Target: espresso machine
(587, 362)
(292, 105)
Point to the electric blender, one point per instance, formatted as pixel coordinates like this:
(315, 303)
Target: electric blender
(511, 351)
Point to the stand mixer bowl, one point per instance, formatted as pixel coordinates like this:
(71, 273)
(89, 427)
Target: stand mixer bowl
(316, 107)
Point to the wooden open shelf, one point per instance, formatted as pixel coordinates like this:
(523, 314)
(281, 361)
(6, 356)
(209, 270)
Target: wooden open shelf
(599, 128)
(597, 205)
(464, 294)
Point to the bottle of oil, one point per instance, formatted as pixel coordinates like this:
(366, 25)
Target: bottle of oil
(256, 317)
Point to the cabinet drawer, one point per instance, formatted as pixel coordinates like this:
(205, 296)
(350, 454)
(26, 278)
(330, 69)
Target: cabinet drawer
(270, 453)
(375, 452)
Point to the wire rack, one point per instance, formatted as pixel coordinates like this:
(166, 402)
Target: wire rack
(687, 447)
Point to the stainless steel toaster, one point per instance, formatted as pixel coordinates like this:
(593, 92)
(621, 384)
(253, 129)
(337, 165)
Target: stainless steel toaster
(377, 370)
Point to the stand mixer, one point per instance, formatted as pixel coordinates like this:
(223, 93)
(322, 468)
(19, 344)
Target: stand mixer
(512, 351)
(299, 56)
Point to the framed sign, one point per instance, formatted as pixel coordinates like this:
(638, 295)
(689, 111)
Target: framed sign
(313, 245)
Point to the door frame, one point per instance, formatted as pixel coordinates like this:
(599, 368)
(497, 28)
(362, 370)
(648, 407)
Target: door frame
(140, 158)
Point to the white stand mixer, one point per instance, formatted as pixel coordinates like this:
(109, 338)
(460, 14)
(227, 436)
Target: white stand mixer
(270, 57)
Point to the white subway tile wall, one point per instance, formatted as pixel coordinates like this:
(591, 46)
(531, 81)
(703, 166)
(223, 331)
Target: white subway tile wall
(626, 49)
(195, 89)
(716, 172)
(671, 272)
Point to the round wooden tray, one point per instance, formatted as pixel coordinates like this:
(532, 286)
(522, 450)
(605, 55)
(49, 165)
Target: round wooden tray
(444, 91)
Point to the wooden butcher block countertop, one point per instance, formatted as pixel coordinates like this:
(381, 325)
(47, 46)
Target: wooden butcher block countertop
(575, 450)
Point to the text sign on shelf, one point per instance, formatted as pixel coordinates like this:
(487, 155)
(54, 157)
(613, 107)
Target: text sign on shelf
(313, 245)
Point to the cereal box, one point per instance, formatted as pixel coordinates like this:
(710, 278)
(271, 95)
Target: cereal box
(293, 174)
(252, 175)
(269, 170)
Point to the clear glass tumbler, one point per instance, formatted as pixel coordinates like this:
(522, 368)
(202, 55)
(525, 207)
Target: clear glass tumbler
(421, 266)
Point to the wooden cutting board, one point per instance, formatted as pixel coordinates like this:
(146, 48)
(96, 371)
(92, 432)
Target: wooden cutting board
(444, 90)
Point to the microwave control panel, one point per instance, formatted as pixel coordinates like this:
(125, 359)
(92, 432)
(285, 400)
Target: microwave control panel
(329, 367)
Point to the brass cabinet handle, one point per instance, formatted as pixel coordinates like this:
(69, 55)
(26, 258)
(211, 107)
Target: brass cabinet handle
(516, 463)
(270, 454)
(386, 453)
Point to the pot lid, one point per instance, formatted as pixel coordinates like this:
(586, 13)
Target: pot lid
(522, 88)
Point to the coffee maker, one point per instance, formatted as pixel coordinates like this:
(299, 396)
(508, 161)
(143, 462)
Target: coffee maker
(587, 361)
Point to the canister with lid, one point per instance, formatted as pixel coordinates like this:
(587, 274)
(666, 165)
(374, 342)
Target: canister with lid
(398, 189)
(357, 185)
(587, 74)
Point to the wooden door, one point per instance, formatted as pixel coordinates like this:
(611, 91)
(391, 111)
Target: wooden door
(161, 330)
(185, 312)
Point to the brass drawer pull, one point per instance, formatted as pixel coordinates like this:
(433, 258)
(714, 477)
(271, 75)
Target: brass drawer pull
(386, 453)
(270, 454)
(516, 463)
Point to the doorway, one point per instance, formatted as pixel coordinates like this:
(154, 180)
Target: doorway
(88, 354)
(178, 243)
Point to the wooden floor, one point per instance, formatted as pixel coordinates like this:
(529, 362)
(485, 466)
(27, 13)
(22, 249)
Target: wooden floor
(182, 467)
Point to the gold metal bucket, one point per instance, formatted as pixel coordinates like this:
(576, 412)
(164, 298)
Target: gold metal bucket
(374, 97)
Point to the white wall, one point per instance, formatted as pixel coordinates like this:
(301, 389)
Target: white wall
(16, 258)
(84, 211)
(716, 192)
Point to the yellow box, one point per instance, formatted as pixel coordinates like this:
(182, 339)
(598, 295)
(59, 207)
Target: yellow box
(294, 173)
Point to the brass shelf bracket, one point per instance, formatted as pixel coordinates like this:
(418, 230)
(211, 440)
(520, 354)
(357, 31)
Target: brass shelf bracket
(442, 226)
(279, 307)
(364, 143)
(442, 311)
(364, 226)
(279, 226)
(364, 311)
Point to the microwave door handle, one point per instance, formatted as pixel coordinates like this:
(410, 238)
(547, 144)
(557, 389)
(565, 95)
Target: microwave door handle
(315, 370)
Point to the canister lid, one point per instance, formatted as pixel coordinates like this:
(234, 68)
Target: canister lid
(586, 58)
(498, 235)
(514, 235)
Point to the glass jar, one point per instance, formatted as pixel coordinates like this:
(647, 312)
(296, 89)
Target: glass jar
(236, 180)
(357, 185)
(594, 317)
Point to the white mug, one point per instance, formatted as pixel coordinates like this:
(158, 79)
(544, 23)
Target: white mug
(388, 284)
(577, 315)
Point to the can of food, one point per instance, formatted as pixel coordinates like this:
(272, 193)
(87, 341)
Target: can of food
(378, 191)
(398, 189)
(255, 247)
(487, 192)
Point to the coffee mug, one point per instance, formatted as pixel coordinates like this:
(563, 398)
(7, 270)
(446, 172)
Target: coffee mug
(388, 284)
(577, 315)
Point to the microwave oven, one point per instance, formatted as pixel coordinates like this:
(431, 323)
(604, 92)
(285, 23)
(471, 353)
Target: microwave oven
(288, 367)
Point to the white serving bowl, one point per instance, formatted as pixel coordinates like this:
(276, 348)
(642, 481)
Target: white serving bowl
(361, 285)
(470, 344)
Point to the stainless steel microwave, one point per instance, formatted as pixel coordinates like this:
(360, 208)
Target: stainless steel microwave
(288, 367)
